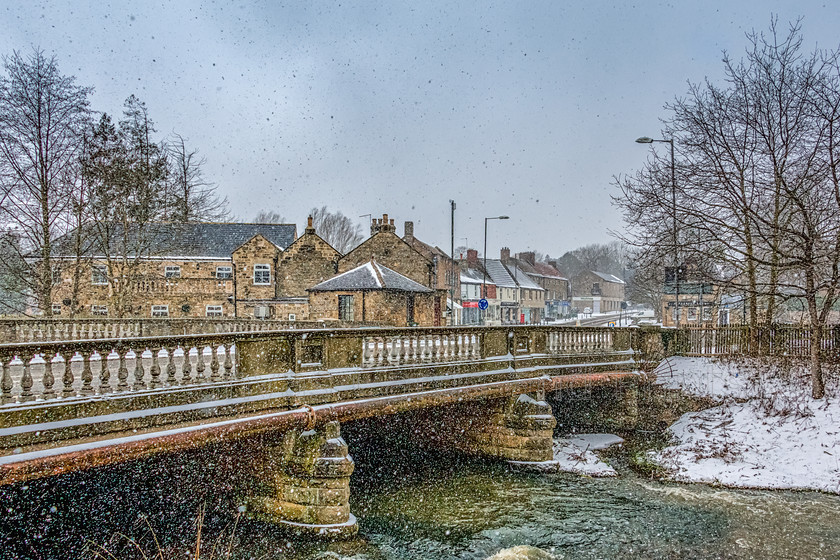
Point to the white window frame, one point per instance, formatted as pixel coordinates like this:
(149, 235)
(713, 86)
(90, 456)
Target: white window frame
(172, 271)
(56, 309)
(99, 310)
(224, 272)
(214, 311)
(292, 317)
(261, 269)
(160, 311)
(99, 271)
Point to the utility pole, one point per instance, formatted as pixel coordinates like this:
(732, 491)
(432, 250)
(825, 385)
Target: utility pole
(452, 264)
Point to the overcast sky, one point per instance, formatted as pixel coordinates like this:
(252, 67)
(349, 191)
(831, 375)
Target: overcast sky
(526, 109)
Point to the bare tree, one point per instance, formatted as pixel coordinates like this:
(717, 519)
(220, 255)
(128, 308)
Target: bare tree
(269, 217)
(758, 190)
(190, 197)
(42, 117)
(336, 229)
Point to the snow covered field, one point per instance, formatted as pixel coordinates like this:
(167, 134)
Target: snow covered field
(767, 433)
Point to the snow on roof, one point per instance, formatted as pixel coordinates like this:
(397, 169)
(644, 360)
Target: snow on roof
(472, 276)
(608, 277)
(522, 278)
(370, 276)
(499, 274)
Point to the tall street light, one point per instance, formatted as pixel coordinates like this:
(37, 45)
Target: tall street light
(646, 140)
(484, 282)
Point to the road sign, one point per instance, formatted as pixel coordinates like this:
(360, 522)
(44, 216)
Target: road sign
(611, 324)
(482, 304)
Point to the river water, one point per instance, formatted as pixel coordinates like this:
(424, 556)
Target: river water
(417, 505)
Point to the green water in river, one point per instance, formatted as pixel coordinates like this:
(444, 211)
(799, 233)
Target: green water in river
(414, 505)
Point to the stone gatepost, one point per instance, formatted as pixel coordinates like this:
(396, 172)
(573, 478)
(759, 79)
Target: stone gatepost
(303, 483)
(521, 430)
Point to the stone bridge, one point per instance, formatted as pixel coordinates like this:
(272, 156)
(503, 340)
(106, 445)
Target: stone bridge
(73, 405)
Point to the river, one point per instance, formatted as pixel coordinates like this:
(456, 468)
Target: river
(417, 505)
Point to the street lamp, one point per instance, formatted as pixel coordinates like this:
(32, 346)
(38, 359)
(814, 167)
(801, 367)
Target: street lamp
(646, 140)
(484, 282)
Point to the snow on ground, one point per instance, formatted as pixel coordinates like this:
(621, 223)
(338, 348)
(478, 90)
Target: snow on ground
(575, 454)
(768, 433)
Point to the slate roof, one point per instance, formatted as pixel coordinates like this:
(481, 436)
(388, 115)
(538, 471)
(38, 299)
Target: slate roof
(370, 276)
(214, 240)
(608, 277)
(473, 276)
(499, 274)
(521, 277)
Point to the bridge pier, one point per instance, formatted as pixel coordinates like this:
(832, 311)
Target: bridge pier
(302, 483)
(519, 429)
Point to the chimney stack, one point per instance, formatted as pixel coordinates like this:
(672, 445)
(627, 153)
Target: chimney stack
(409, 231)
(472, 256)
(505, 254)
(379, 226)
(309, 227)
(529, 257)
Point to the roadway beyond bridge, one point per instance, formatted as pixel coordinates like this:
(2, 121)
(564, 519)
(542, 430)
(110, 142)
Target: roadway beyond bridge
(69, 406)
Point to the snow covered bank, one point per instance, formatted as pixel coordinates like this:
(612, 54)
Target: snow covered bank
(575, 454)
(768, 433)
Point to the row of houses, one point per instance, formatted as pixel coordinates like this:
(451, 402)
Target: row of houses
(268, 271)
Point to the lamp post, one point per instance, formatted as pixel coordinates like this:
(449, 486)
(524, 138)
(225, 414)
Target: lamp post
(646, 140)
(484, 281)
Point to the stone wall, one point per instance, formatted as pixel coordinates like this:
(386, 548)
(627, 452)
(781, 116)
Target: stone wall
(308, 261)
(258, 250)
(380, 307)
(389, 250)
(187, 295)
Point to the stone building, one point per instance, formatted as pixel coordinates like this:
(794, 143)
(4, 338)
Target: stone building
(373, 293)
(598, 291)
(185, 270)
(445, 274)
(388, 249)
(532, 296)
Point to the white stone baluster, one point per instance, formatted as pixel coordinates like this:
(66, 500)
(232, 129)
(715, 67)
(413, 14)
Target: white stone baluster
(139, 371)
(48, 379)
(67, 377)
(6, 384)
(214, 364)
(186, 367)
(154, 370)
(104, 373)
(122, 372)
(170, 366)
(228, 347)
(199, 364)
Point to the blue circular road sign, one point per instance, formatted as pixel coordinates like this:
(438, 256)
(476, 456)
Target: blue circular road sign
(482, 304)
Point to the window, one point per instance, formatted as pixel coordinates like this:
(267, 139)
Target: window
(160, 311)
(98, 309)
(224, 272)
(56, 309)
(213, 311)
(56, 276)
(262, 274)
(345, 308)
(292, 317)
(99, 274)
(173, 272)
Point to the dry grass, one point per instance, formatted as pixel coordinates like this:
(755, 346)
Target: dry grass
(147, 546)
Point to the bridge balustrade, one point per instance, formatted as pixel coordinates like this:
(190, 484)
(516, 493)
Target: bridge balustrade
(59, 329)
